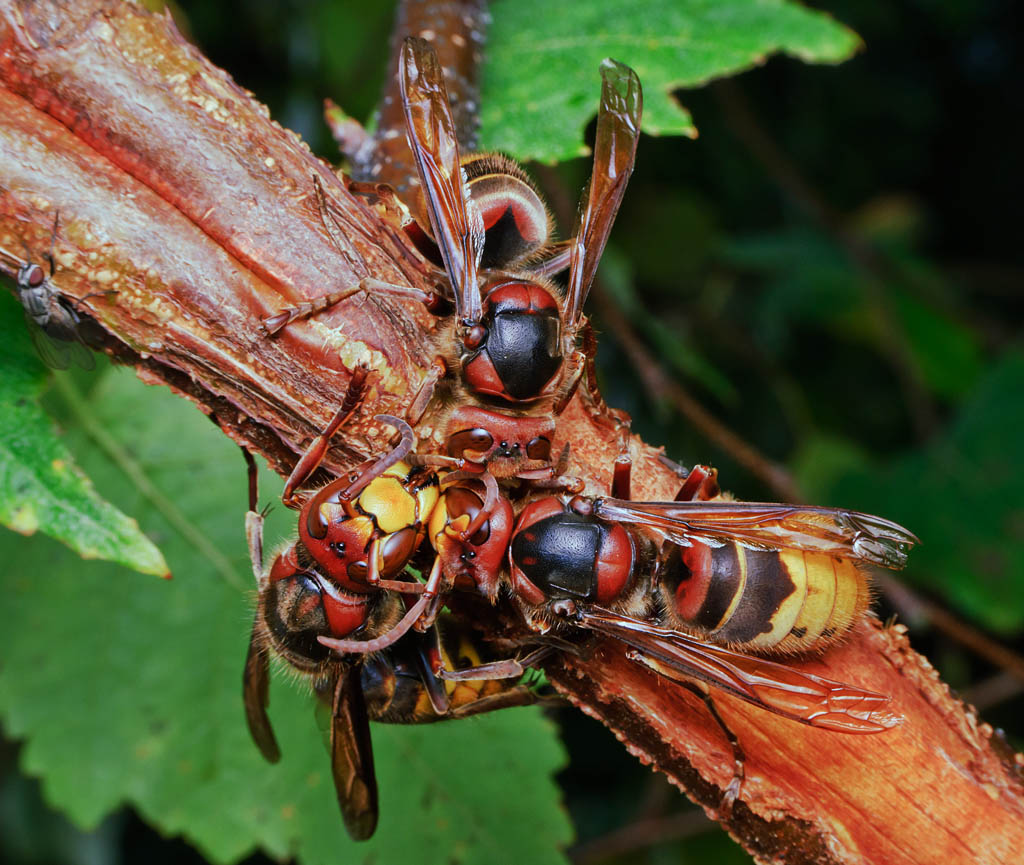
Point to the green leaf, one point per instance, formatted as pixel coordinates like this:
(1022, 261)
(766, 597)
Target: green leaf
(541, 80)
(821, 461)
(41, 488)
(813, 281)
(946, 351)
(130, 692)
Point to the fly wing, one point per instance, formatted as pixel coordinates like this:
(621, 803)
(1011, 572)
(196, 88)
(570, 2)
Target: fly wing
(618, 131)
(352, 754)
(850, 534)
(55, 354)
(80, 355)
(11, 263)
(59, 342)
(786, 691)
(457, 225)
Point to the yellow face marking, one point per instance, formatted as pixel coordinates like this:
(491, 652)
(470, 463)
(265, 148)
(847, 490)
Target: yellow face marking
(332, 512)
(426, 500)
(389, 502)
(456, 527)
(400, 470)
(436, 527)
(360, 527)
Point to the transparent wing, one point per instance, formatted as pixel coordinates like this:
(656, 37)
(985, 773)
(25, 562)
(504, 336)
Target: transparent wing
(457, 226)
(618, 130)
(794, 694)
(851, 534)
(56, 354)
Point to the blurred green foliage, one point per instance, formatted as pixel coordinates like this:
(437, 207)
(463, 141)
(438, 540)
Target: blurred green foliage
(829, 268)
(129, 690)
(40, 487)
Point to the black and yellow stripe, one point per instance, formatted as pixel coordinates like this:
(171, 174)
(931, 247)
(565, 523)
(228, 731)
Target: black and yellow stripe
(764, 600)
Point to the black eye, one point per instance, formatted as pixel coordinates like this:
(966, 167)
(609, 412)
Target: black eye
(476, 337)
(476, 439)
(539, 448)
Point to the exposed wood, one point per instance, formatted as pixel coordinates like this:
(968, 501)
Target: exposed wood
(176, 190)
(456, 29)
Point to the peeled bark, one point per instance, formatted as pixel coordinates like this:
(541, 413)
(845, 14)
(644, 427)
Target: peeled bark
(176, 191)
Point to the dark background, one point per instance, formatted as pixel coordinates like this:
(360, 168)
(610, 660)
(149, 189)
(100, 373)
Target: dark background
(833, 269)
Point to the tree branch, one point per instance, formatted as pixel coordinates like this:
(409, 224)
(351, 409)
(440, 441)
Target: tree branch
(177, 191)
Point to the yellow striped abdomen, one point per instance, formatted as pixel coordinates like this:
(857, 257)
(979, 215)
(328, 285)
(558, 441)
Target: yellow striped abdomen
(763, 600)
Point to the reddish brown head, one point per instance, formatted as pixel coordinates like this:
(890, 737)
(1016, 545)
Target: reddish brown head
(508, 445)
(475, 559)
(300, 605)
(392, 510)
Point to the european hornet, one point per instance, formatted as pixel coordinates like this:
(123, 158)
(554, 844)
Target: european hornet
(358, 534)
(509, 354)
(700, 590)
(300, 606)
(52, 320)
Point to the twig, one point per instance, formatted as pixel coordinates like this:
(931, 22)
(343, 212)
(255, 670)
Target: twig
(658, 383)
(874, 270)
(913, 606)
(639, 835)
(195, 311)
(994, 690)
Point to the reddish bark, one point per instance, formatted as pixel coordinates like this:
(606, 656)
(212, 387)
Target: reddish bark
(176, 190)
(456, 29)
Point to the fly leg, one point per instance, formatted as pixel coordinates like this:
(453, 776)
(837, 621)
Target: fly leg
(271, 324)
(520, 695)
(425, 393)
(621, 476)
(511, 668)
(732, 791)
(575, 366)
(700, 484)
(554, 478)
